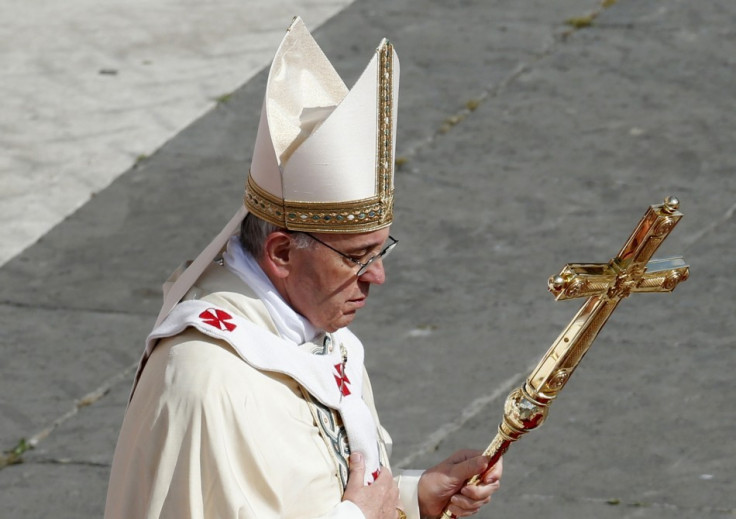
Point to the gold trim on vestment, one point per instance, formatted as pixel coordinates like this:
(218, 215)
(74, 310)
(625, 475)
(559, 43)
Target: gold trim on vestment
(332, 431)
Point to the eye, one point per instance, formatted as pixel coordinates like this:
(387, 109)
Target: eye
(359, 255)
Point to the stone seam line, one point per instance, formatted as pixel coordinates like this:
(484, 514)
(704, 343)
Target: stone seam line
(470, 411)
(15, 455)
(713, 227)
(496, 89)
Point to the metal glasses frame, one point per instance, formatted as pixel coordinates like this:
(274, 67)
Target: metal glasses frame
(363, 265)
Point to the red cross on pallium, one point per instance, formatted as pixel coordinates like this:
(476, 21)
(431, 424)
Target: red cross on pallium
(217, 318)
(342, 380)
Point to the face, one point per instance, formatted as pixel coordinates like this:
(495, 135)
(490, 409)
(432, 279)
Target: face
(323, 286)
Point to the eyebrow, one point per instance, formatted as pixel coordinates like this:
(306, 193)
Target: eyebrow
(364, 247)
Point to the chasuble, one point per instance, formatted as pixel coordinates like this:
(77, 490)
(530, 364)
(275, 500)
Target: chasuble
(207, 435)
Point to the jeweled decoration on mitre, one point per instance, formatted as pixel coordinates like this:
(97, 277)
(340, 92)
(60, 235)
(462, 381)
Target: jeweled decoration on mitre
(324, 155)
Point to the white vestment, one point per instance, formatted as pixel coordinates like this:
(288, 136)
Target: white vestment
(206, 435)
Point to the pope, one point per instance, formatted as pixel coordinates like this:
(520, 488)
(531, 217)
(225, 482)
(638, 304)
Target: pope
(251, 399)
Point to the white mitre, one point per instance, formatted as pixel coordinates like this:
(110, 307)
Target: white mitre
(323, 159)
(324, 155)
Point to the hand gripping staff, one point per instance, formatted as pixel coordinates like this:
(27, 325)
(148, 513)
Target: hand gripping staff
(605, 285)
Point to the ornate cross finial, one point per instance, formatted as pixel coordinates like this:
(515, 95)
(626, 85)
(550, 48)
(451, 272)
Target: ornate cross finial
(605, 285)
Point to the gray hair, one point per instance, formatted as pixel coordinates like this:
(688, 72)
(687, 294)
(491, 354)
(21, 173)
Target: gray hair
(254, 231)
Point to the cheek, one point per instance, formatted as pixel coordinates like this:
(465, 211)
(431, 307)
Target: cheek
(321, 292)
(331, 304)
(332, 299)
(315, 298)
(329, 286)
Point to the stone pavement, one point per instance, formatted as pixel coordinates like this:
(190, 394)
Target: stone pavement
(531, 134)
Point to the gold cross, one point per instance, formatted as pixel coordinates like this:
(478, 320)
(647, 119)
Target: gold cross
(605, 285)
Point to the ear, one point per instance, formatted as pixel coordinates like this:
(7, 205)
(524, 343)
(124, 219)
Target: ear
(276, 260)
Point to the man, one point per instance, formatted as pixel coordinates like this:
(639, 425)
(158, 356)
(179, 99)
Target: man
(251, 399)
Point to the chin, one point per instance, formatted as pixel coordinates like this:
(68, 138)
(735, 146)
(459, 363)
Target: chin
(345, 320)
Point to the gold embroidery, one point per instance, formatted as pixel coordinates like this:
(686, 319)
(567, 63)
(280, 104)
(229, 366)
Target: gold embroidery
(385, 162)
(355, 216)
(332, 431)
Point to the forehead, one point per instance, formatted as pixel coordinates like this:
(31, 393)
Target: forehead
(357, 241)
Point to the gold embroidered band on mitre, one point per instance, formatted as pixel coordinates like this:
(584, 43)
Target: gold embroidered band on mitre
(339, 217)
(352, 216)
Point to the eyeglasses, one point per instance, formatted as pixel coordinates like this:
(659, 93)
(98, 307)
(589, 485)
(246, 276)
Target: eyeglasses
(364, 266)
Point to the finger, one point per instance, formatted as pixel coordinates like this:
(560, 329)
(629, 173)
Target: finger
(384, 473)
(495, 473)
(467, 506)
(356, 471)
(462, 511)
(385, 479)
(390, 489)
(480, 492)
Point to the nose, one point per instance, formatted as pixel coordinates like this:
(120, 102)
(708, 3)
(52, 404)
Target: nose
(375, 273)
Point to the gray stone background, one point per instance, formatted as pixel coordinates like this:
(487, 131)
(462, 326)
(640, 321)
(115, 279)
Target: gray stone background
(531, 134)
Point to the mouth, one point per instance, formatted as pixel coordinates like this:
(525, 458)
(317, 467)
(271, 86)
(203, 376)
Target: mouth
(358, 302)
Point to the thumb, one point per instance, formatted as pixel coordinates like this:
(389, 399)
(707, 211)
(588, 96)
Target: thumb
(357, 471)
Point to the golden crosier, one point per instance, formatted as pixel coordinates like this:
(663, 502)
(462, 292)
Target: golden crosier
(605, 285)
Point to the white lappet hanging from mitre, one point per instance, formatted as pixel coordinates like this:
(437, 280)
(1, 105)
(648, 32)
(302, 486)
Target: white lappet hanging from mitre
(324, 155)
